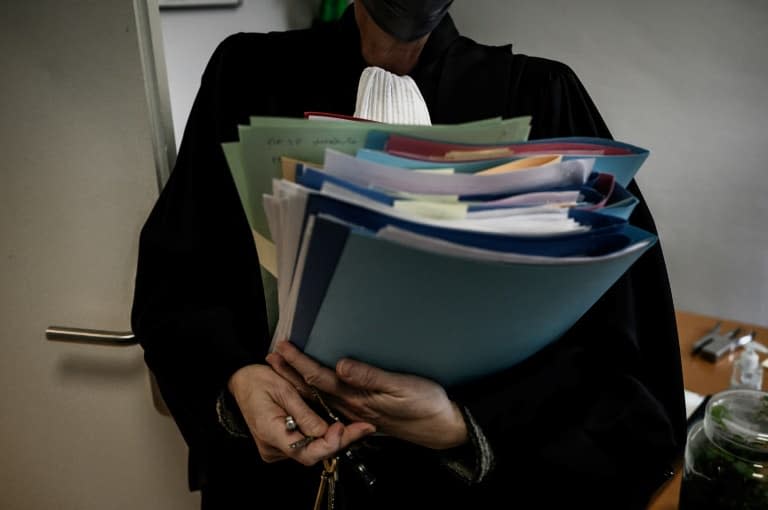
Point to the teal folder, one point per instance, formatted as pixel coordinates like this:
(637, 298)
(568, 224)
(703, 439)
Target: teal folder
(622, 166)
(451, 319)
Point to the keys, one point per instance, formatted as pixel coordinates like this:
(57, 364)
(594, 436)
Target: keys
(319, 398)
(321, 490)
(333, 477)
(359, 467)
(327, 488)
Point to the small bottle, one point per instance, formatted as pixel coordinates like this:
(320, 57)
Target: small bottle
(747, 371)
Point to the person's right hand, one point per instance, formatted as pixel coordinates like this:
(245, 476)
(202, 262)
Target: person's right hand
(265, 399)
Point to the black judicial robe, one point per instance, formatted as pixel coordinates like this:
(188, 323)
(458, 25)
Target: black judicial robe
(596, 420)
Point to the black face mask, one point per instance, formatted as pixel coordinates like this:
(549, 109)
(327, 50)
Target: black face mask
(407, 20)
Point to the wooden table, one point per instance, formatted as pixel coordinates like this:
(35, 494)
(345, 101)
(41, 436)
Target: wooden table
(702, 377)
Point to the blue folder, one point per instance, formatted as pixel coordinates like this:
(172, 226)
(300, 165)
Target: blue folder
(623, 167)
(447, 318)
(606, 233)
(621, 203)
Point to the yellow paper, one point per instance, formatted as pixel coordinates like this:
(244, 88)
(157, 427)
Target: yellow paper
(267, 253)
(434, 210)
(470, 155)
(522, 164)
(288, 167)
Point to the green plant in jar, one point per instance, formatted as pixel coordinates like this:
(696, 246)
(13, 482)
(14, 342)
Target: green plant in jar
(726, 455)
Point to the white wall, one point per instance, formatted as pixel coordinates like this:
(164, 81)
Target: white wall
(685, 79)
(78, 430)
(192, 34)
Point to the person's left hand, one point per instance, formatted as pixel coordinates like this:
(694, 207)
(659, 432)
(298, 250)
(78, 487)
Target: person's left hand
(404, 406)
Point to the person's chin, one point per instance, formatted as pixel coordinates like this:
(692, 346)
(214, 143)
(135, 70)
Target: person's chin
(396, 64)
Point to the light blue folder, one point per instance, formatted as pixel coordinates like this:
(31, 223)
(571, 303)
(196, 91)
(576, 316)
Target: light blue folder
(621, 203)
(605, 235)
(623, 166)
(446, 318)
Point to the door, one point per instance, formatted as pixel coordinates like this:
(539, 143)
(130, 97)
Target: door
(84, 134)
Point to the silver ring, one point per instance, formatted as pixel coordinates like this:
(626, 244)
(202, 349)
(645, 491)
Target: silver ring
(290, 424)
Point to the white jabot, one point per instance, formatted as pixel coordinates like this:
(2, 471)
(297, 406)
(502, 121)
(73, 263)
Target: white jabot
(386, 97)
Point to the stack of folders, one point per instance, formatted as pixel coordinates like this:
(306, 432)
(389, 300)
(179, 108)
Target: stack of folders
(439, 251)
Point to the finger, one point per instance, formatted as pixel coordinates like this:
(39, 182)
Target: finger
(337, 438)
(354, 432)
(364, 376)
(313, 373)
(288, 401)
(308, 421)
(281, 366)
(322, 447)
(287, 372)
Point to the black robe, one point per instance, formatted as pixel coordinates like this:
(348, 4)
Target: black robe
(595, 420)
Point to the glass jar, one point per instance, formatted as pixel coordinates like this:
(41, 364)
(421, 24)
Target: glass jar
(726, 455)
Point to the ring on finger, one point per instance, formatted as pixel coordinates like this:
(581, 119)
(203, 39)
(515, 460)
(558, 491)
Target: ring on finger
(290, 424)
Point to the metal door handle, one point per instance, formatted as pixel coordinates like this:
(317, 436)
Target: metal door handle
(90, 336)
(108, 338)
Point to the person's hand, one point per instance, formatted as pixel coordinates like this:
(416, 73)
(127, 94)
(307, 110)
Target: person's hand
(265, 399)
(404, 406)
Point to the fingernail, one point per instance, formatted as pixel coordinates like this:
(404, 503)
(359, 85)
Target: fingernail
(343, 368)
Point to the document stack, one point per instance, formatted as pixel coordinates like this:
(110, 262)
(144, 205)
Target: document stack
(450, 252)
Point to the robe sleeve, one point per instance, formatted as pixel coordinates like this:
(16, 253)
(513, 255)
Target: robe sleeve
(198, 307)
(599, 415)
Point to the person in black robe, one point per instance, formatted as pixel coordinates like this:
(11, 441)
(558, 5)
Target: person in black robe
(595, 420)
